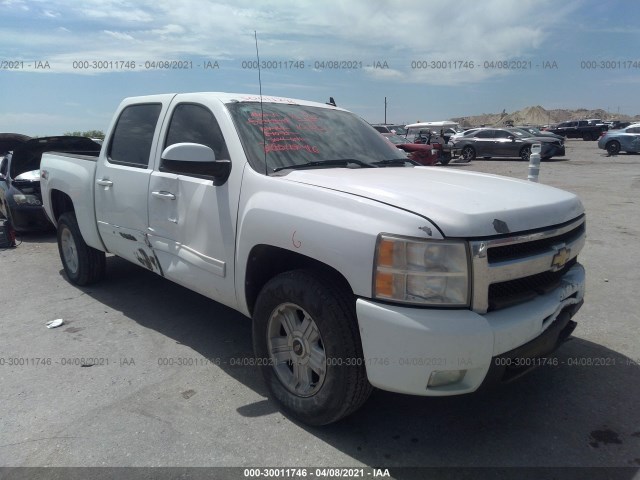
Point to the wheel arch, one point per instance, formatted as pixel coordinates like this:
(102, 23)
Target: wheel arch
(267, 261)
(60, 203)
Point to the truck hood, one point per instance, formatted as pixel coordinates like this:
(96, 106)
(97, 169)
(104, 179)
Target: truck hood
(460, 203)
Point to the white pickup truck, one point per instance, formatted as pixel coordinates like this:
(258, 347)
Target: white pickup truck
(358, 268)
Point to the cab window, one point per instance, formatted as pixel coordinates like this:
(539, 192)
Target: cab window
(484, 134)
(194, 123)
(133, 135)
(504, 134)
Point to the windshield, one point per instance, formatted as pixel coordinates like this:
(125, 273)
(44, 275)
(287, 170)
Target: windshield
(298, 135)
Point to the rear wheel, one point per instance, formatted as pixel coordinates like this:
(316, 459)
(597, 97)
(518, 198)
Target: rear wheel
(82, 264)
(525, 153)
(468, 153)
(586, 136)
(445, 159)
(307, 344)
(613, 148)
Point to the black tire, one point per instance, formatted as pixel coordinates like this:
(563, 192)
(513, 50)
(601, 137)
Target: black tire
(83, 264)
(340, 386)
(613, 147)
(468, 153)
(525, 153)
(445, 159)
(586, 136)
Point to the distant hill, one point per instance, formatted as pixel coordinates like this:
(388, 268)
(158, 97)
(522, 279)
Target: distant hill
(537, 115)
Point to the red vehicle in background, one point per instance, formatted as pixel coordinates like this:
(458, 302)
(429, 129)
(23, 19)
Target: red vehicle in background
(424, 154)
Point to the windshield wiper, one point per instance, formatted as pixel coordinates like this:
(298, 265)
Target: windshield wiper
(343, 162)
(396, 161)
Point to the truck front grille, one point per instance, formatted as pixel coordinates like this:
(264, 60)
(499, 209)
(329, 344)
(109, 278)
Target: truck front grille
(512, 292)
(516, 250)
(513, 269)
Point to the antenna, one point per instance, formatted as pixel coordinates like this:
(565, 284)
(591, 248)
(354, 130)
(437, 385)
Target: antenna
(264, 138)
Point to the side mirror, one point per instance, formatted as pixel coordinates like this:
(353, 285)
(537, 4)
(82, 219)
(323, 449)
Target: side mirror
(512, 138)
(195, 160)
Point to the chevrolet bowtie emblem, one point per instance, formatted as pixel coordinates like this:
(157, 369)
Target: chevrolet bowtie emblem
(560, 259)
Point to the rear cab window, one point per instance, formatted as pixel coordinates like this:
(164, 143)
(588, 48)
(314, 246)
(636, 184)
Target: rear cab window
(132, 137)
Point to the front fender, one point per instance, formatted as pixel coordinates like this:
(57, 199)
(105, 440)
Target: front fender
(335, 228)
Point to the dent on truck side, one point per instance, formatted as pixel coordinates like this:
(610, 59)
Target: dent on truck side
(332, 228)
(74, 178)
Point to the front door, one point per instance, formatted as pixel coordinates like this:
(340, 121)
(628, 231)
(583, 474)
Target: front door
(191, 220)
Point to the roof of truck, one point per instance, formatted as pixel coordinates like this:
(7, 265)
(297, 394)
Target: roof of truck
(226, 97)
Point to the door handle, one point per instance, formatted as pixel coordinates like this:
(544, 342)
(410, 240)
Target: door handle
(164, 195)
(103, 182)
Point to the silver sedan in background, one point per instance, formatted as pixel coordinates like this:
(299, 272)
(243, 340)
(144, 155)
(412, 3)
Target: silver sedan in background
(625, 140)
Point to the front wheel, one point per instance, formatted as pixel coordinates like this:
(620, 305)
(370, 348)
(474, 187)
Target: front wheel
(468, 153)
(82, 264)
(307, 344)
(613, 148)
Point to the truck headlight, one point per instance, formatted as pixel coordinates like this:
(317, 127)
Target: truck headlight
(424, 272)
(22, 199)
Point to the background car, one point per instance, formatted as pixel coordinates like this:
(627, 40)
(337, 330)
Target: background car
(382, 128)
(555, 146)
(20, 198)
(625, 140)
(422, 153)
(390, 128)
(616, 124)
(536, 132)
(454, 138)
(398, 129)
(504, 142)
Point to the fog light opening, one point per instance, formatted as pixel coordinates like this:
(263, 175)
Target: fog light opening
(440, 378)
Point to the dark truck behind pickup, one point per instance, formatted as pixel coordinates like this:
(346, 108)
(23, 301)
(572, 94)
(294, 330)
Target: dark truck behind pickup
(578, 129)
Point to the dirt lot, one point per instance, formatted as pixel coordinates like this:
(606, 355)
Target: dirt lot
(169, 385)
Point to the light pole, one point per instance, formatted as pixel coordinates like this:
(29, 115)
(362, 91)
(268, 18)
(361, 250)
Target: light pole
(385, 110)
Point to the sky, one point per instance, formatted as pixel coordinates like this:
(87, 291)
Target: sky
(66, 65)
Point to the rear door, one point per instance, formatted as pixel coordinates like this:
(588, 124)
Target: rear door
(122, 178)
(483, 143)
